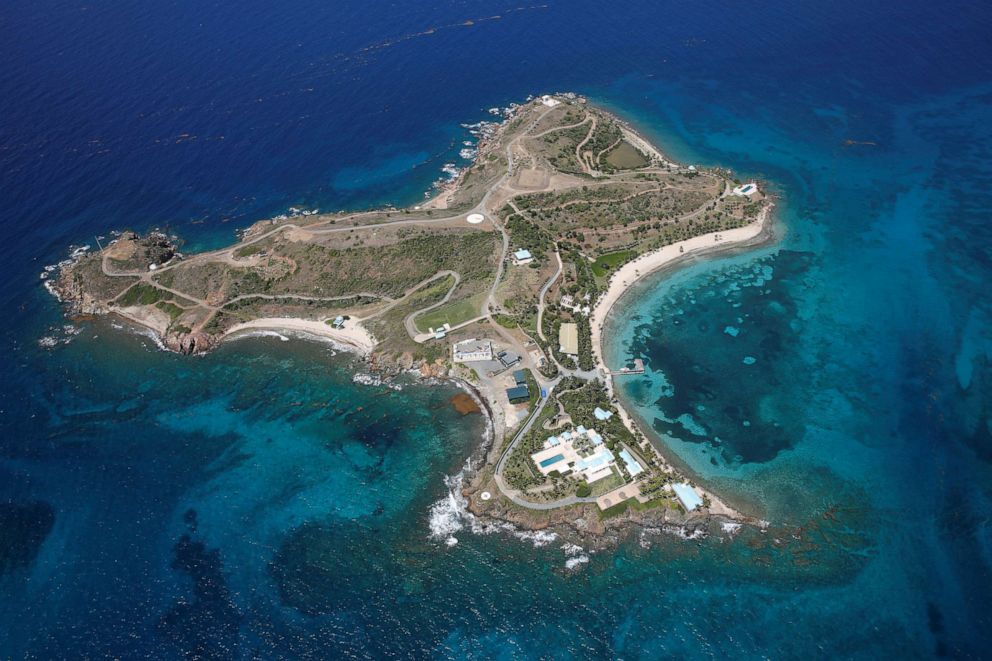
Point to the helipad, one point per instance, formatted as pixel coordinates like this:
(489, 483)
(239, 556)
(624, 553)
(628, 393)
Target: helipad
(485, 495)
(475, 218)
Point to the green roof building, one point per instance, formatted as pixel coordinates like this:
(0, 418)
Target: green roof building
(518, 394)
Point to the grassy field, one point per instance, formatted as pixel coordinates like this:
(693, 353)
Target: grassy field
(142, 294)
(606, 264)
(607, 484)
(453, 313)
(625, 157)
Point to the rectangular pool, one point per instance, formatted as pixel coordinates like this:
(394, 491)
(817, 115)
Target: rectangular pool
(552, 460)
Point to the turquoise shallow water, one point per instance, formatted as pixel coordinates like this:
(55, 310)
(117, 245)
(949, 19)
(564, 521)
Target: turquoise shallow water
(258, 503)
(835, 371)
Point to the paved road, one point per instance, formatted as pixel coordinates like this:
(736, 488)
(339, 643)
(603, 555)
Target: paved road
(544, 291)
(410, 320)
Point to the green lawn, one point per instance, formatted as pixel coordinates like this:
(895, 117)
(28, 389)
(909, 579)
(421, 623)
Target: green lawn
(452, 313)
(605, 264)
(606, 484)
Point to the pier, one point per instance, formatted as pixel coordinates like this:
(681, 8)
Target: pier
(637, 369)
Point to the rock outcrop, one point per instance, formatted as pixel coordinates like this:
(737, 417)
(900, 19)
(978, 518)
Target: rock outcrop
(188, 343)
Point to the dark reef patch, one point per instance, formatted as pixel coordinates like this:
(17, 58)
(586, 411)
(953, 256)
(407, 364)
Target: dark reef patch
(23, 529)
(206, 626)
(316, 572)
(725, 350)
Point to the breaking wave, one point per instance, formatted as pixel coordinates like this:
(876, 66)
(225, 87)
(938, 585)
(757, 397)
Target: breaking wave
(450, 515)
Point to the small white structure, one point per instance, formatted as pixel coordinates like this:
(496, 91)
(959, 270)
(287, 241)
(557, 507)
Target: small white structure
(338, 322)
(153, 267)
(475, 218)
(468, 351)
(549, 101)
(522, 257)
(567, 301)
(601, 414)
(485, 495)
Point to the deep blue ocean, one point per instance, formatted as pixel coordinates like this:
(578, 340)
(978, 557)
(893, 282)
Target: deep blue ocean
(258, 503)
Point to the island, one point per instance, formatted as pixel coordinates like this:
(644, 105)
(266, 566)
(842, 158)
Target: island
(503, 280)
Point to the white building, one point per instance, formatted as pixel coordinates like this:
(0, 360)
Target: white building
(468, 351)
(580, 452)
(522, 257)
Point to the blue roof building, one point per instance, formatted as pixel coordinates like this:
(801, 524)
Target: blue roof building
(601, 414)
(687, 496)
(633, 467)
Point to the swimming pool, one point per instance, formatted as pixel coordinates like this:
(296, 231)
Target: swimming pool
(552, 460)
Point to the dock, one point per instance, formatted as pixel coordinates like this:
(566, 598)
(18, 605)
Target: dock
(637, 369)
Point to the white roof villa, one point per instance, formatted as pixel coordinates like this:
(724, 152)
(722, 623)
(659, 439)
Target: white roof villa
(472, 350)
(581, 452)
(522, 256)
(633, 467)
(601, 414)
(687, 496)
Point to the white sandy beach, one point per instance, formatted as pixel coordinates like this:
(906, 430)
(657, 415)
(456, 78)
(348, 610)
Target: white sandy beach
(635, 270)
(632, 272)
(352, 336)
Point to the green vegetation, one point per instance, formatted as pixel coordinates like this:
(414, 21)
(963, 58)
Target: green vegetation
(390, 330)
(533, 388)
(560, 146)
(586, 360)
(580, 398)
(519, 471)
(603, 216)
(505, 320)
(636, 505)
(453, 313)
(249, 308)
(624, 157)
(89, 274)
(391, 269)
(248, 251)
(170, 309)
(680, 231)
(607, 484)
(142, 294)
(605, 264)
(529, 235)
